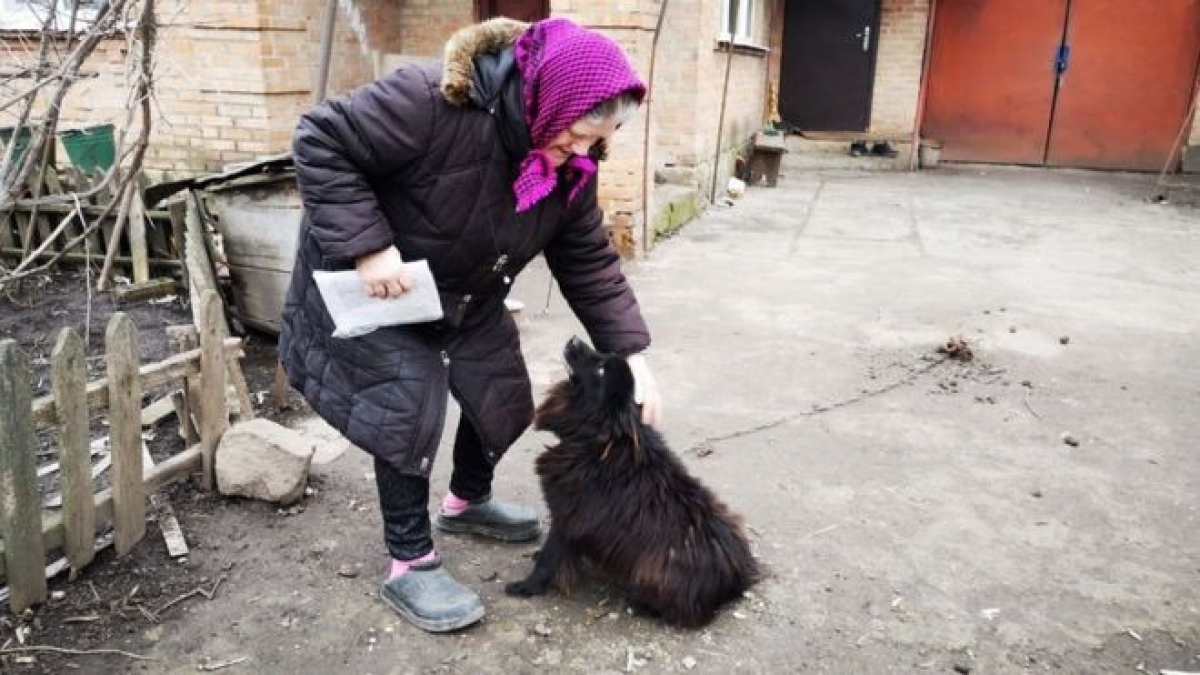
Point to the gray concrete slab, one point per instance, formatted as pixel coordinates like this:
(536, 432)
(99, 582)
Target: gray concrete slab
(943, 517)
(916, 514)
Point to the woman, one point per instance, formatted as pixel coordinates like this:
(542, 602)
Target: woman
(476, 165)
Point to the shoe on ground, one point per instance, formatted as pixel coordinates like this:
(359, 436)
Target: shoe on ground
(432, 600)
(883, 150)
(493, 518)
(858, 149)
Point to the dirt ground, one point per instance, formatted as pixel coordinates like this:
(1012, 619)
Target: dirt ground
(917, 513)
(115, 598)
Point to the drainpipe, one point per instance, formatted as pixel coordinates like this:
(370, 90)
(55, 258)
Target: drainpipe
(923, 91)
(327, 25)
(712, 197)
(646, 178)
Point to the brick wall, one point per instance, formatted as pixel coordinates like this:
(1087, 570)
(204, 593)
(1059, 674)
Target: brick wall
(901, 51)
(424, 25)
(630, 24)
(92, 101)
(233, 76)
(239, 74)
(689, 87)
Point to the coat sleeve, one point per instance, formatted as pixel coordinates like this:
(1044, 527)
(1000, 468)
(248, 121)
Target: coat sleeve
(342, 144)
(588, 272)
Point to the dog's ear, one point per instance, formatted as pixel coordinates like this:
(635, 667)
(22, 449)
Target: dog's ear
(618, 383)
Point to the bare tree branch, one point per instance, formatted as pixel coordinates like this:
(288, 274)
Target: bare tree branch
(48, 94)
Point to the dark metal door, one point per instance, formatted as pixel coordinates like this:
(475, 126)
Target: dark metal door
(991, 79)
(521, 10)
(828, 64)
(1127, 83)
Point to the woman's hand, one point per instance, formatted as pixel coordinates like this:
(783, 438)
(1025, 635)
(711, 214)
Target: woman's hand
(645, 390)
(383, 275)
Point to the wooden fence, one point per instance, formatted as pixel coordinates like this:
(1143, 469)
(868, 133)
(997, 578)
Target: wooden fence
(132, 236)
(28, 536)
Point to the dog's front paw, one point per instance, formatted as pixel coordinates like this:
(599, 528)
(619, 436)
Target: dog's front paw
(524, 589)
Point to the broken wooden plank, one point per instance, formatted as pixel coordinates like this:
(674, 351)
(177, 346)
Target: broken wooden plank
(167, 522)
(52, 570)
(157, 411)
(187, 422)
(171, 531)
(178, 215)
(146, 290)
(7, 240)
(137, 235)
(113, 247)
(164, 473)
(55, 501)
(94, 448)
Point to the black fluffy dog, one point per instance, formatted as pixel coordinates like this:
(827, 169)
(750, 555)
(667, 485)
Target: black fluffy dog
(620, 498)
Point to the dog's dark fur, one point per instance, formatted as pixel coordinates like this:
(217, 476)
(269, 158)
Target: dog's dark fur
(620, 498)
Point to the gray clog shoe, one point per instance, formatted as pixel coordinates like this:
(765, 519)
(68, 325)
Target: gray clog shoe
(495, 519)
(431, 599)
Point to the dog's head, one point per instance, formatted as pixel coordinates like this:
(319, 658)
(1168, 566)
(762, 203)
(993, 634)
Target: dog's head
(597, 396)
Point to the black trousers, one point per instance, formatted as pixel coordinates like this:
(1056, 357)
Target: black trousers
(404, 498)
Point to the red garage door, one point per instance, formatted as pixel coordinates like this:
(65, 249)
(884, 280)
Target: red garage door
(1087, 83)
(991, 78)
(1127, 85)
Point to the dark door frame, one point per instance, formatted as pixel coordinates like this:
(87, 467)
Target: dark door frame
(872, 58)
(486, 9)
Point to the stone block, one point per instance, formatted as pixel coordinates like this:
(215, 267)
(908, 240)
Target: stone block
(263, 460)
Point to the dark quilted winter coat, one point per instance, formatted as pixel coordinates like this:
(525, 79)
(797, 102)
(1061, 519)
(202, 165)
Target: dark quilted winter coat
(426, 167)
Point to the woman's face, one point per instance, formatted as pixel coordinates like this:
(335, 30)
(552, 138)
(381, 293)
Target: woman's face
(578, 138)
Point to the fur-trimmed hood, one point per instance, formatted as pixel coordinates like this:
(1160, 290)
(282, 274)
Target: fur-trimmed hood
(458, 61)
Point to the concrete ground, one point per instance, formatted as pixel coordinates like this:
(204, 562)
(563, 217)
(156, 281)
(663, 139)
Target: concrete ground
(917, 514)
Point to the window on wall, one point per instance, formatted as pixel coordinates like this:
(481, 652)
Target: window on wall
(737, 21)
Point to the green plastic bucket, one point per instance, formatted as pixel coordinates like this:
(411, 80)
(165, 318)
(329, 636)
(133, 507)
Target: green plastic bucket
(90, 149)
(6, 135)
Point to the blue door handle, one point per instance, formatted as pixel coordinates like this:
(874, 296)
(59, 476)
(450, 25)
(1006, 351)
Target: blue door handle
(1063, 60)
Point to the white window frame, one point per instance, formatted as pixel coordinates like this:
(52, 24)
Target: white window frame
(743, 27)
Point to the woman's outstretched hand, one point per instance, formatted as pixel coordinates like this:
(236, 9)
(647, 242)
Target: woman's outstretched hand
(645, 390)
(383, 274)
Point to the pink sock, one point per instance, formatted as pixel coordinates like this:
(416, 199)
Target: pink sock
(401, 566)
(453, 505)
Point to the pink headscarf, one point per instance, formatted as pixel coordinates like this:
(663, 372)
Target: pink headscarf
(567, 70)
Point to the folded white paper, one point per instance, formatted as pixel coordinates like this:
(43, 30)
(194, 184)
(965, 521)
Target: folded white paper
(355, 313)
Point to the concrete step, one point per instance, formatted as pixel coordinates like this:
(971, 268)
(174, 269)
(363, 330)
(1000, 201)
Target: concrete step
(834, 155)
